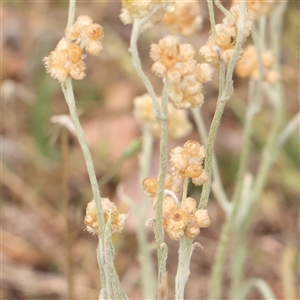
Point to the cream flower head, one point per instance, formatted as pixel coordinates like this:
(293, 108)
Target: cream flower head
(248, 67)
(178, 123)
(65, 60)
(186, 18)
(222, 44)
(87, 34)
(176, 62)
(181, 219)
(117, 220)
(141, 9)
(258, 8)
(187, 161)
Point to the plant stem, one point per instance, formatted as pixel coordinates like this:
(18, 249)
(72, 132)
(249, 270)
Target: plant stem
(163, 159)
(67, 89)
(216, 281)
(260, 284)
(267, 160)
(71, 14)
(224, 96)
(211, 16)
(223, 9)
(217, 185)
(148, 282)
(185, 253)
(184, 191)
(253, 107)
(136, 62)
(66, 198)
(69, 96)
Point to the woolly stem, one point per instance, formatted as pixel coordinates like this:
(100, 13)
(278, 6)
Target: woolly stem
(217, 185)
(136, 62)
(216, 282)
(222, 99)
(71, 13)
(185, 253)
(145, 259)
(211, 16)
(163, 158)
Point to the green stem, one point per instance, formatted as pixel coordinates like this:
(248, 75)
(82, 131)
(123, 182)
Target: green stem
(67, 89)
(224, 96)
(136, 62)
(223, 9)
(65, 151)
(260, 284)
(267, 160)
(211, 16)
(103, 244)
(163, 159)
(183, 272)
(209, 151)
(145, 259)
(184, 191)
(217, 185)
(71, 14)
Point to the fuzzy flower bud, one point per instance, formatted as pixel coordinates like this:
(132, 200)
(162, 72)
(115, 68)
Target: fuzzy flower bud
(149, 186)
(189, 205)
(202, 218)
(187, 161)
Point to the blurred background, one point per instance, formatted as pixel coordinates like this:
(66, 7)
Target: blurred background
(38, 158)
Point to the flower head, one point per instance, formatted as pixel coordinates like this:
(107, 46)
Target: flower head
(178, 122)
(176, 62)
(117, 220)
(186, 18)
(86, 33)
(221, 45)
(258, 8)
(248, 66)
(179, 219)
(187, 161)
(140, 9)
(65, 60)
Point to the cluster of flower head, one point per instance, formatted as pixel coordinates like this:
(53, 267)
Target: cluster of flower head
(183, 218)
(258, 8)
(141, 9)
(178, 123)
(248, 67)
(175, 61)
(111, 214)
(220, 46)
(186, 18)
(67, 58)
